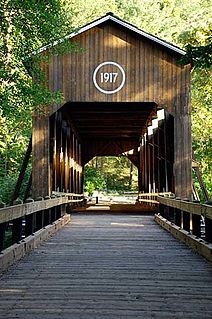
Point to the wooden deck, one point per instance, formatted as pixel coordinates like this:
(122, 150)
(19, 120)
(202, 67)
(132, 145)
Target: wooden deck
(108, 267)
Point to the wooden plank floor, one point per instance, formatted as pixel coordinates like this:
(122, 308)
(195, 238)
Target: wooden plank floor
(108, 267)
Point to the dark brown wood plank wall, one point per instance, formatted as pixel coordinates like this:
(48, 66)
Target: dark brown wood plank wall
(151, 73)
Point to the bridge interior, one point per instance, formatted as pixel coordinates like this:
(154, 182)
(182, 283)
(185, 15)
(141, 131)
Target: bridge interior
(80, 131)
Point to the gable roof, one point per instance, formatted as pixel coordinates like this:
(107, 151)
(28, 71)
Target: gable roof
(110, 17)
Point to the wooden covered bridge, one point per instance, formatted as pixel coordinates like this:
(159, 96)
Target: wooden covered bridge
(125, 92)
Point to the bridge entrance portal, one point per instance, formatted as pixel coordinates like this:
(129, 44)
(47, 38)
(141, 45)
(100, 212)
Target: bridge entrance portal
(124, 92)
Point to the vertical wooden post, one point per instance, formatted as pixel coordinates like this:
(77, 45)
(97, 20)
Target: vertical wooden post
(159, 160)
(71, 162)
(177, 217)
(171, 214)
(17, 226)
(61, 158)
(53, 211)
(149, 163)
(146, 163)
(142, 165)
(77, 165)
(54, 164)
(2, 235)
(74, 164)
(156, 159)
(153, 163)
(208, 230)
(162, 210)
(29, 226)
(165, 152)
(67, 161)
(47, 214)
(196, 225)
(38, 218)
(186, 221)
(58, 212)
(40, 156)
(80, 169)
(58, 150)
(16, 230)
(139, 169)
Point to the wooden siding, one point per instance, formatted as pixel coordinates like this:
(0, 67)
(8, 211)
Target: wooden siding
(153, 74)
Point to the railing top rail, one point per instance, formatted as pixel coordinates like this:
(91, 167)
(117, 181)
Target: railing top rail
(190, 207)
(155, 194)
(13, 212)
(67, 194)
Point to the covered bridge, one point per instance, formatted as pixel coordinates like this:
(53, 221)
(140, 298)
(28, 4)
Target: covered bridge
(124, 93)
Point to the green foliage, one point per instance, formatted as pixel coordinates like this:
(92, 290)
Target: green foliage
(8, 184)
(81, 12)
(198, 46)
(165, 18)
(7, 187)
(93, 179)
(199, 53)
(25, 26)
(202, 119)
(110, 173)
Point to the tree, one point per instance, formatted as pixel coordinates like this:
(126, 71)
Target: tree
(197, 43)
(94, 180)
(111, 173)
(25, 26)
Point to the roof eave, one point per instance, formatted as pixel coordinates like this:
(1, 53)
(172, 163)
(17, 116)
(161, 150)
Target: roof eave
(122, 23)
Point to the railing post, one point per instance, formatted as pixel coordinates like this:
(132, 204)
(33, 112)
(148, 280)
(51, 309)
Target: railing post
(2, 229)
(30, 226)
(63, 209)
(161, 209)
(177, 215)
(38, 218)
(47, 213)
(58, 210)
(208, 230)
(196, 219)
(186, 218)
(208, 225)
(53, 211)
(17, 226)
(171, 214)
(186, 221)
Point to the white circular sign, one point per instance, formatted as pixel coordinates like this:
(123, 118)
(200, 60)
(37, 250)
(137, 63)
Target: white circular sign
(109, 77)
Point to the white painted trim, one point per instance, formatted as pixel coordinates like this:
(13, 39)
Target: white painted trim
(120, 22)
(147, 35)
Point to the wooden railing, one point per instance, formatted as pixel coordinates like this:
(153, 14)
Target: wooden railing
(22, 220)
(190, 216)
(151, 199)
(187, 215)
